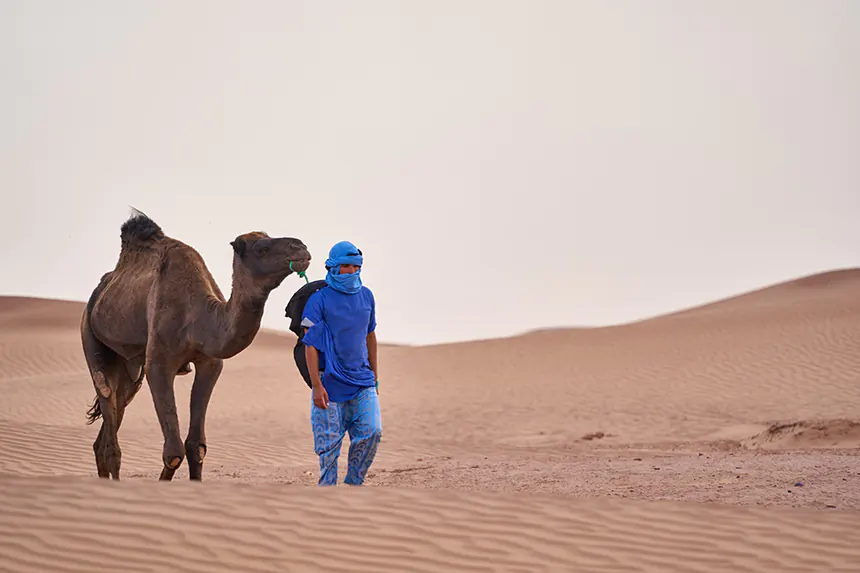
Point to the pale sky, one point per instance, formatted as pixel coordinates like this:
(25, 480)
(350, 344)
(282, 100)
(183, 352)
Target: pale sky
(504, 166)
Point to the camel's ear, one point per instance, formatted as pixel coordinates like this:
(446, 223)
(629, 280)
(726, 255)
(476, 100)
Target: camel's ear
(239, 246)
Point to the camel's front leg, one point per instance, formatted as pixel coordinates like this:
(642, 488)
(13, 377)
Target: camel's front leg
(160, 377)
(207, 372)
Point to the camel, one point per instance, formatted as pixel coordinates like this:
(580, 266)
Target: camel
(158, 311)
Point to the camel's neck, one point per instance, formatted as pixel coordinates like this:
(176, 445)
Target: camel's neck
(237, 321)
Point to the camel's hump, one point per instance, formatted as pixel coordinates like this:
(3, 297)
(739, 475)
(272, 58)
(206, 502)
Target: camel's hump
(139, 228)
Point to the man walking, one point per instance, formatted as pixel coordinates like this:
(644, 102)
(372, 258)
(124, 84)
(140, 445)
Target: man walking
(339, 322)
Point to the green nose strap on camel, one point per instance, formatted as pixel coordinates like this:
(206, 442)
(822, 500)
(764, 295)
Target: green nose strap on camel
(302, 274)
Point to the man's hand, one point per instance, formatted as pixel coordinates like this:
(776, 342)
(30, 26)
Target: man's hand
(320, 397)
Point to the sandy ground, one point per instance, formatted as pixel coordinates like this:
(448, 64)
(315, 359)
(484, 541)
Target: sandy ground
(723, 437)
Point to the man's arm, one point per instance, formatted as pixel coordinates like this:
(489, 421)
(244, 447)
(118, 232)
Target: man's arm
(313, 359)
(371, 340)
(371, 354)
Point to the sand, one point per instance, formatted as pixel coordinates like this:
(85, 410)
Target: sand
(722, 437)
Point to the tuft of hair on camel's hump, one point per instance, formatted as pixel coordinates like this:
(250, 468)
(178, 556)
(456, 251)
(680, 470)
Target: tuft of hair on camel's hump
(140, 230)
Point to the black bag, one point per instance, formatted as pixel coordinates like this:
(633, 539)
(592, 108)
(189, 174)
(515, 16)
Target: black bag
(294, 309)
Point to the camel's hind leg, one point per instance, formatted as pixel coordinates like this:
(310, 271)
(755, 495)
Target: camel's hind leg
(106, 449)
(106, 369)
(98, 450)
(127, 386)
(206, 374)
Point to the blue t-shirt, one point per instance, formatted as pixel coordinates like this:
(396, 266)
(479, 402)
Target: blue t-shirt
(338, 325)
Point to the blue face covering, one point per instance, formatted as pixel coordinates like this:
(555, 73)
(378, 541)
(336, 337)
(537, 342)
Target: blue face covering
(347, 284)
(344, 253)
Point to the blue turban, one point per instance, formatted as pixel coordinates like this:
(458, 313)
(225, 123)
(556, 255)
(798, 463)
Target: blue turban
(344, 253)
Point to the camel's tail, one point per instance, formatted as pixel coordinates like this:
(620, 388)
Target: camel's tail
(139, 230)
(95, 412)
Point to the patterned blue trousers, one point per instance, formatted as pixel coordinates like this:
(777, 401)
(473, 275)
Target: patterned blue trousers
(361, 418)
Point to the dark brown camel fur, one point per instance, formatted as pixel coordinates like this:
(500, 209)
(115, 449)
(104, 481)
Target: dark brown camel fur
(160, 310)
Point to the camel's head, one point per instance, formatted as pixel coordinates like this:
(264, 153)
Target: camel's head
(269, 260)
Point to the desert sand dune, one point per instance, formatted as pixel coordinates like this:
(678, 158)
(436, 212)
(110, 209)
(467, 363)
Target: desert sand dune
(58, 524)
(724, 436)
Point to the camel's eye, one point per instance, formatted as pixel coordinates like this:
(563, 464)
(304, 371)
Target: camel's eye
(262, 247)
